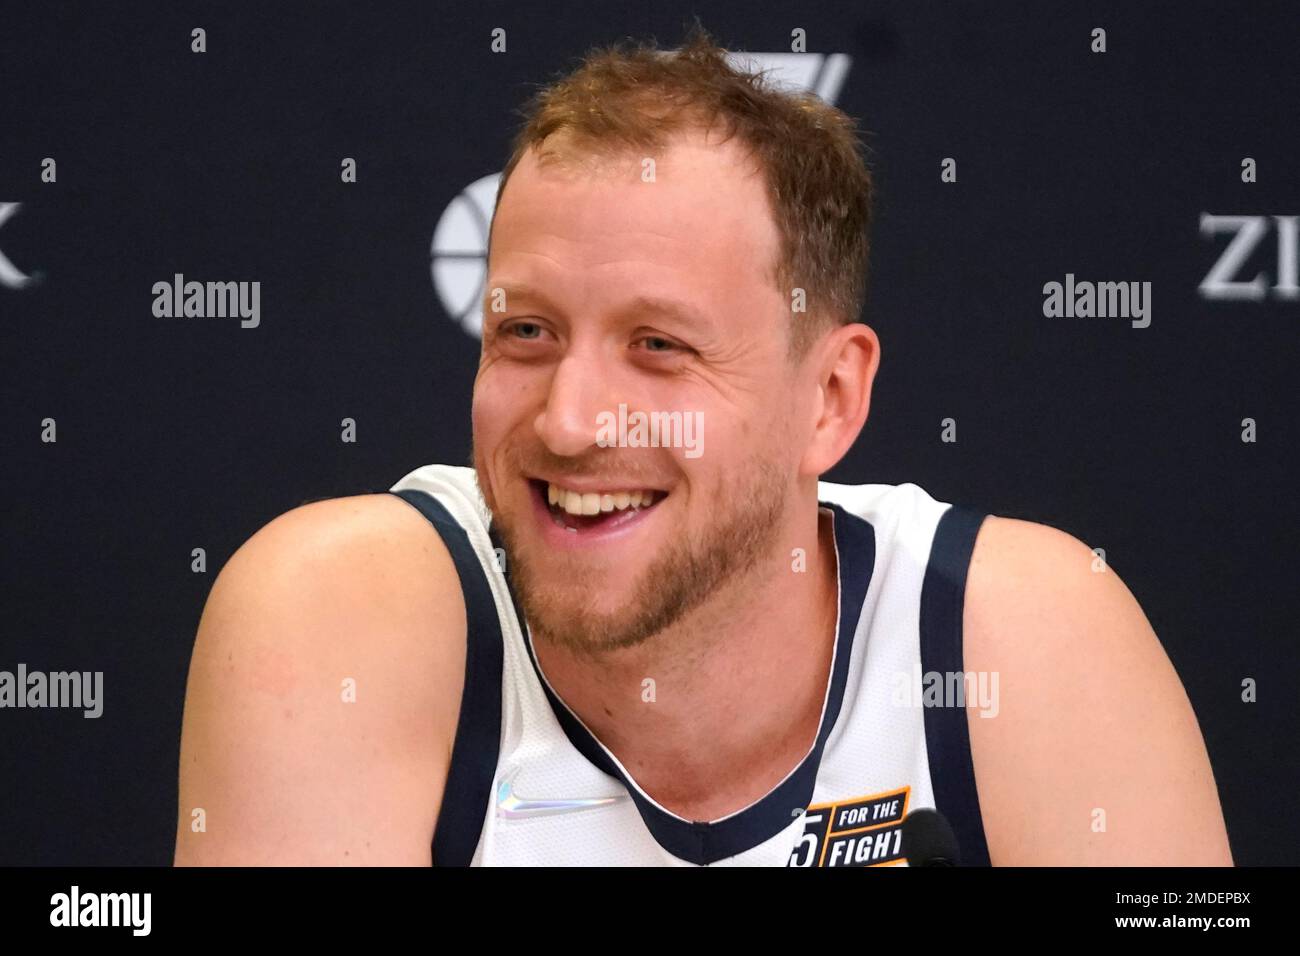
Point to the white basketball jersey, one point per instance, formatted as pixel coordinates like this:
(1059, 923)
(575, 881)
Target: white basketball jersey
(530, 785)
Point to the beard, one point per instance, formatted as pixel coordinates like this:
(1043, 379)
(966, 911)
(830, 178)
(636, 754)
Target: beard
(698, 561)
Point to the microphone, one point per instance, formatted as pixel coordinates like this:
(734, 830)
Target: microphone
(928, 840)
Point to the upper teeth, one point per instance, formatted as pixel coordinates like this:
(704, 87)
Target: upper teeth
(577, 503)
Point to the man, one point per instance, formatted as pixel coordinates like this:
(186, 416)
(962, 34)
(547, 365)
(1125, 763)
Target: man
(610, 646)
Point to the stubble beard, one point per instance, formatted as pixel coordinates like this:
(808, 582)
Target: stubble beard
(693, 568)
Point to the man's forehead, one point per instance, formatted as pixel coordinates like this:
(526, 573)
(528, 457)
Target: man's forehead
(695, 200)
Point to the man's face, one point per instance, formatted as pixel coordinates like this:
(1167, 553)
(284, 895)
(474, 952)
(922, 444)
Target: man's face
(657, 295)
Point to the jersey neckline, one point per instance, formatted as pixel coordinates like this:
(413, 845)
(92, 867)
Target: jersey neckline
(708, 842)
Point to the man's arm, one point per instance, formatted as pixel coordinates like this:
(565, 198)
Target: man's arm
(1093, 726)
(323, 692)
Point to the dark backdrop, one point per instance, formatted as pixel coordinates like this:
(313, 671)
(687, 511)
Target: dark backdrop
(182, 433)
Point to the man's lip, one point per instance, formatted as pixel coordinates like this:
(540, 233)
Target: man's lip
(585, 486)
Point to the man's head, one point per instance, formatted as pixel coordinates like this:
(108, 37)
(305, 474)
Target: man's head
(671, 235)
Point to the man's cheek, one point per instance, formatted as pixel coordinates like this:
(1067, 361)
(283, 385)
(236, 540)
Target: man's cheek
(485, 420)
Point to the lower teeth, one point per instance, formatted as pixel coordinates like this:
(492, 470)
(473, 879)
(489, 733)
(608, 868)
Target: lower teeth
(562, 517)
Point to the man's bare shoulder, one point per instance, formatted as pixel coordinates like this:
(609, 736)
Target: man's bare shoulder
(375, 538)
(1093, 754)
(324, 691)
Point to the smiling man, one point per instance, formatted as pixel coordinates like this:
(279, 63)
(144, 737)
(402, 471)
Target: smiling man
(585, 652)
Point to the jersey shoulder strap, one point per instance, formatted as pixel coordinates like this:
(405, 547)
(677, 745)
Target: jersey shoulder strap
(452, 507)
(947, 734)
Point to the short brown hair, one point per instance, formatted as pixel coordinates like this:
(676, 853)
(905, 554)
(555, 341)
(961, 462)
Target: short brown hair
(634, 96)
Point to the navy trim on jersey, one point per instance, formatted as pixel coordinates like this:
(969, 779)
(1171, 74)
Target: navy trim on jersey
(705, 843)
(467, 796)
(947, 736)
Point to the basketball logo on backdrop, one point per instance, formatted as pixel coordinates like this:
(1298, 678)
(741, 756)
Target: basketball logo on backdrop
(863, 831)
(458, 252)
(10, 275)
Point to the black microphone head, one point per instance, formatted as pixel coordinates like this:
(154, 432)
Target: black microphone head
(928, 840)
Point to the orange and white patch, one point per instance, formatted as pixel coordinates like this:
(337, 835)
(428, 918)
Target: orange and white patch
(862, 831)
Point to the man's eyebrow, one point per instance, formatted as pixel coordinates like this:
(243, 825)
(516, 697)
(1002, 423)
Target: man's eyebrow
(641, 304)
(512, 291)
(668, 308)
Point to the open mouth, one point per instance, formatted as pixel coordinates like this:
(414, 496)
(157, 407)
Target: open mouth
(578, 512)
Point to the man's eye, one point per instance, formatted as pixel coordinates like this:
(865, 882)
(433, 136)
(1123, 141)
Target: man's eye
(659, 344)
(524, 330)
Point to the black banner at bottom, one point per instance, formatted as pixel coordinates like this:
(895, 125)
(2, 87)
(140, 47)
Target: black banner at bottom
(333, 905)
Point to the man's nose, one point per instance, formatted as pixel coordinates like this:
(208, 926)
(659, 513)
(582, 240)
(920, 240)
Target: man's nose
(580, 391)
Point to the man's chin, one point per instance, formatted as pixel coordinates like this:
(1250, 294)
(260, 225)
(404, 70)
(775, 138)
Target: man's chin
(587, 615)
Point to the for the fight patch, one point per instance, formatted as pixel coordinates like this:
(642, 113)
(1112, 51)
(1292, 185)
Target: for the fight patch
(864, 831)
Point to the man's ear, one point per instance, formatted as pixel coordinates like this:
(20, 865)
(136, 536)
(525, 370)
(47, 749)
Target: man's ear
(846, 361)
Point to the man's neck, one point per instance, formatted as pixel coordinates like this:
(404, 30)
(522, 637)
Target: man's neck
(711, 714)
